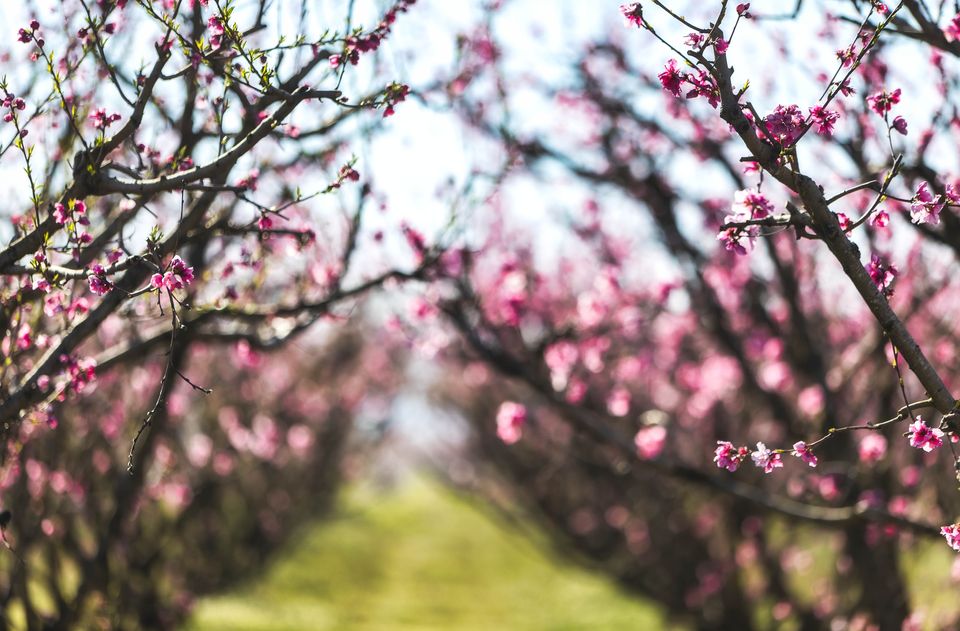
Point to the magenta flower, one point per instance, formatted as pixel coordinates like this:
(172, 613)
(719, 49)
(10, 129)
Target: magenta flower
(784, 124)
(743, 10)
(511, 417)
(751, 204)
(881, 273)
(632, 13)
(824, 119)
(801, 451)
(872, 448)
(952, 534)
(738, 240)
(217, 29)
(727, 456)
(900, 125)
(178, 276)
(880, 220)
(60, 213)
(671, 79)
(883, 101)
(952, 32)
(766, 459)
(98, 280)
(924, 437)
(925, 206)
(101, 120)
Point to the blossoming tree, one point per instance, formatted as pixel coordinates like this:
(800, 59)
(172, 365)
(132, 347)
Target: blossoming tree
(179, 176)
(779, 364)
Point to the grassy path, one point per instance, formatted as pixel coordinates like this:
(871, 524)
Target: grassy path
(420, 558)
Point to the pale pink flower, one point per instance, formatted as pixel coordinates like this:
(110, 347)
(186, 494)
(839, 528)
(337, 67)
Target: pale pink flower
(924, 437)
(511, 417)
(766, 459)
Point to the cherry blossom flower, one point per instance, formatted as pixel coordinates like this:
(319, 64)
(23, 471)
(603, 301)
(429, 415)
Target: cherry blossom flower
(217, 29)
(101, 120)
(899, 125)
(925, 206)
(98, 280)
(883, 101)
(824, 119)
(178, 276)
(881, 273)
(952, 32)
(671, 79)
(952, 535)
(844, 221)
(61, 213)
(650, 441)
(924, 437)
(737, 239)
(751, 204)
(880, 219)
(766, 459)
(632, 13)
(729, 457)
(511, 417)
(784, 124)
(800, 450)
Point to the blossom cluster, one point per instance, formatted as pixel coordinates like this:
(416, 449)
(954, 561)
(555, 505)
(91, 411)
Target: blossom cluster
(700, 83)
(177, 276)
(369, 42)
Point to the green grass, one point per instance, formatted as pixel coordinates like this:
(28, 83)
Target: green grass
(420, 558)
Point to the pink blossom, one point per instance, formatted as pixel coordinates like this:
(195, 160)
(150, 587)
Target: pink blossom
(618, 402)
(98, 280)
(671, 79)
(751, 204)
(178, 276)
(924, 437)
(766, 459)
(738, 240)
(632, 13)
(952, 535)
(900, 125)
(881, 273)
(824, 119)
(952, 32)
(560, 358)
(872, 448)
(844, 221)
(217, 29)
(883, 101)
(800, 450)
(784, 124)
(511, 417)
(743, 10)
(650, 441)
(727, 456)
(60, 213)
(101, 120)
(880, 220)
(847, 55)
(925, 206)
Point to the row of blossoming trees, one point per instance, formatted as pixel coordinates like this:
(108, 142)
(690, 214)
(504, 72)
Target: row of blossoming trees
(759, 281)
(180, 200)
(752, 419)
